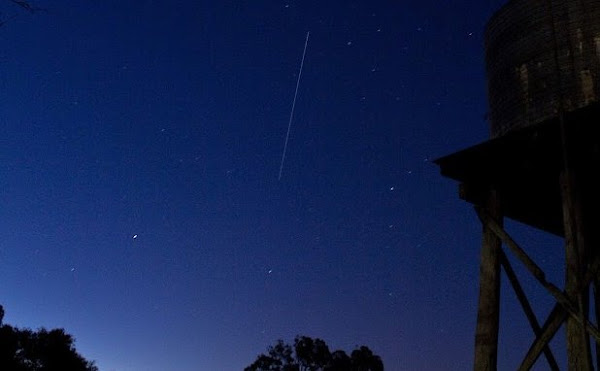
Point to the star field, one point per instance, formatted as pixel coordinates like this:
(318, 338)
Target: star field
(141, 204)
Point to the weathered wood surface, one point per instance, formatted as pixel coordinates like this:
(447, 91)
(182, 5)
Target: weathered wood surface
(579, 353)
(488, 313)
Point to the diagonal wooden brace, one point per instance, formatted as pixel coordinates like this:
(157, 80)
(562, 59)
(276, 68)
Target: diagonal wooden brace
(537, 272)
(537, 330)
(557, 316)
(549, 329)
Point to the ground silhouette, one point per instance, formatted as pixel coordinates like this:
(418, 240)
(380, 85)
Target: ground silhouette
(41, 350)
(308, 354)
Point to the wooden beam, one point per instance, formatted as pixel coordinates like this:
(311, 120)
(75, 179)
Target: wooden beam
(531, 266)
(591, 274)
(537, 272)
(535, 326)
(593, 277)
(597, 310)
(488, 313)
(556, 318)
(579, 353)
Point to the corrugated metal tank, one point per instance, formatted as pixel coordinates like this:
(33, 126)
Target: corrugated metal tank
(523, 40)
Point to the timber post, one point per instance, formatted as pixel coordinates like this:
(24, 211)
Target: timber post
(488, 314)
(578, 345)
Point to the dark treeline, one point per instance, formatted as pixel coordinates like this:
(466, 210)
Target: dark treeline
(41, 350)
(309, 354)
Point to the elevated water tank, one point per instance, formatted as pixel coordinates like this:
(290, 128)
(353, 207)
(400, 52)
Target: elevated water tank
(523, 42)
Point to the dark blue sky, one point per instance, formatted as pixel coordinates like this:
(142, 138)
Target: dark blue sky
(165, 120)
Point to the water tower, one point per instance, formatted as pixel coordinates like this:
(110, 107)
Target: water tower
(540, 167)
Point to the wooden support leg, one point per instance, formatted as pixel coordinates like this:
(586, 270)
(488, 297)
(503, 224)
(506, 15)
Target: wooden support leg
(578, 345)
(597, 308)
(488, 314)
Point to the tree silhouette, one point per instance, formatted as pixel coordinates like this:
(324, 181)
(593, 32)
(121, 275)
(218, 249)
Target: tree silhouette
(42, 350)
(363, 359)
(309, 354)
(341, 362)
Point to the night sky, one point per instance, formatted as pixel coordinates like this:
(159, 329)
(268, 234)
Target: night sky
(140, 207)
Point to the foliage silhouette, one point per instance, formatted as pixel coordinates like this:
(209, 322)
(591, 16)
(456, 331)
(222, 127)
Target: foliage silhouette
(42, 350)
(310, 354)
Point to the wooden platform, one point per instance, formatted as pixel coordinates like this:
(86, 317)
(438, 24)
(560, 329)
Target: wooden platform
(525, 165)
